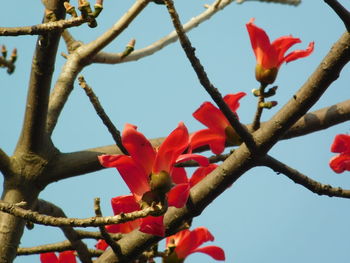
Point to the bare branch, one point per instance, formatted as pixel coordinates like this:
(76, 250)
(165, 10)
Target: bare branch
(307, 182)
(81, 162)
(102, 114)
(80, 58)
(43, 28)
(4, 163)
(287, 2)
(114, 58)
(33, 136)
(44, 207)
(204, 80)
(341, 11)
(56, 247)
(35, 217)
(324, 75)
(105, 235)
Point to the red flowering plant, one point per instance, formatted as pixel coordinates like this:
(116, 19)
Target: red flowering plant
(148, 172)
(187, 242)
(219, 129)
(341, 145)
(63, 257)
(270, 56)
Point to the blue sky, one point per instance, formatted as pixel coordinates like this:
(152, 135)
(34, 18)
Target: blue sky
(263, 217)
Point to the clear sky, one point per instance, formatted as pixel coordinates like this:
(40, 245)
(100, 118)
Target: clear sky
(263, 217)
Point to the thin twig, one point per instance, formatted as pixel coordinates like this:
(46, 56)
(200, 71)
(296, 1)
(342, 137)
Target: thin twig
(105, 235)
(43, 28)
(287, 2)
(307, 182)
(35, 217)
(204, 80)
(114, 58)
(259, 109)
(56, 247)
(47, 208)
(341, 11)
(102, 114)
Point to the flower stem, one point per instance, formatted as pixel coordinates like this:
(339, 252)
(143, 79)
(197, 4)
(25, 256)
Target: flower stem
(259, 110)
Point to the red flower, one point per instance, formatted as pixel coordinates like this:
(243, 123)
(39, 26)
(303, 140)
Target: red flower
(341, 145)
(64, 257)
(187, 242)
(146, 168)
(219, 129)
(269, 57)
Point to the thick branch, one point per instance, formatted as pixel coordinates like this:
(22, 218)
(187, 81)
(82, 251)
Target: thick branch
(324, 75)
(81, 57)
(112, 58)
(4, 163)
(204, 80)
(299, 178)
(33, 136)
(78, 163)
(42, 28)
(242, 159)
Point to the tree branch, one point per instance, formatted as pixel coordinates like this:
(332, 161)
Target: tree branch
(341, 11)
(80, 58)
(241, 160)
(287, 2)
(47, 208)
(102, 114)
(44, 28)
(35, 217)
(324, 75)
(115, 58)
(82, 162)
(299, 178)
(33, 136)
(4, 163)
(204, 80)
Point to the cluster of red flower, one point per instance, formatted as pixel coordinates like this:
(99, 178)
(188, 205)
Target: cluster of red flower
(153, 177)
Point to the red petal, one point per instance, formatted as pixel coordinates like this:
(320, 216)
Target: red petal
(124, 204)
(153, 225)
(133, 175)
(232, 100)
(341, 144)
(171, 148)
(216, 140)
(211, 116)
(178, 195)
(340, 163)
(178, 175)
(215, 252)
(264, 53)
(192, 241)
(200, 159)
(67, 257)
(49, 257)
(101, 244)
(177, 237)
(300, 53)
(200, 173)
(139, 148)
(282, 44)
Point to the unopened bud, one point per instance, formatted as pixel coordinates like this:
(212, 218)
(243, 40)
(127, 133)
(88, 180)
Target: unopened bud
(268, 104)
(70, 9)
(4, 51)
(13, 57)
(129, 48)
